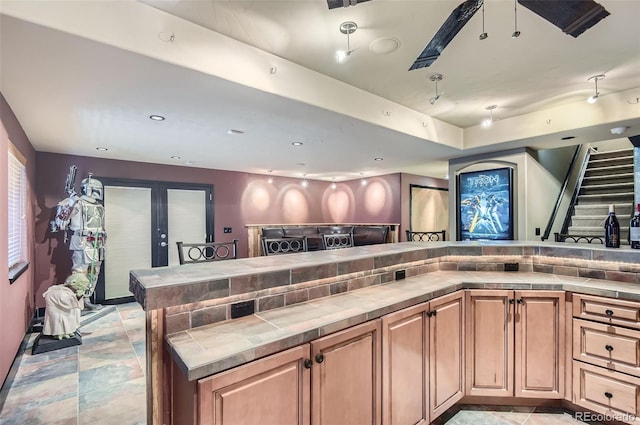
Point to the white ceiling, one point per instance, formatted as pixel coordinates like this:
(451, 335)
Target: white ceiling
(85, 75)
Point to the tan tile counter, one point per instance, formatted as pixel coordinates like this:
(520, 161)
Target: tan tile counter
(213, 348)
(189, 306)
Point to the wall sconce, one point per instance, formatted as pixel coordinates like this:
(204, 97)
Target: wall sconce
(347, 28)
(595, 78)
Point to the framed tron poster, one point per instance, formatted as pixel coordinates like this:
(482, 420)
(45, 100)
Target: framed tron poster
(485, 207)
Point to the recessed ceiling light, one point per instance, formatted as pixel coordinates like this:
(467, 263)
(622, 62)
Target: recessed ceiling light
(233, 131)
(378, 159)
(101, 149)
(190, 162)
(175, 157)
(568, 137)
(302, 164)
(297, 143)
(156, 117)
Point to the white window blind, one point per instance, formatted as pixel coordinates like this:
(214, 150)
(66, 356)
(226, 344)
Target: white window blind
(17, 194)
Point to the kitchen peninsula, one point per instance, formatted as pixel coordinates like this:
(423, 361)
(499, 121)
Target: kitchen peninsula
(300, 300)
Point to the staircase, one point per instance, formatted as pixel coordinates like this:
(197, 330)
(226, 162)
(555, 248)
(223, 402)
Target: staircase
(608, 179)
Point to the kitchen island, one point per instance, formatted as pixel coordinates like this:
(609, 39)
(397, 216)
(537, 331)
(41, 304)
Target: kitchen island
(300, 298)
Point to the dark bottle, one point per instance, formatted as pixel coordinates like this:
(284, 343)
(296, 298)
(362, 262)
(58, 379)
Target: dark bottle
(634, 229)
(612, 229)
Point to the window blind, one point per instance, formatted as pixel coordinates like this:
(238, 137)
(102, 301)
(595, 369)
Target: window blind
(17, 200)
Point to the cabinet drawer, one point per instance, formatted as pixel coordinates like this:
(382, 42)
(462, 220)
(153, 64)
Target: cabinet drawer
(607, 310)
(603, 391)
(608, 346)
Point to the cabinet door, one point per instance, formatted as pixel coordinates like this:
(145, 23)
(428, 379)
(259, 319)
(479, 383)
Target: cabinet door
(405, 366)
(446, 348)
(270, 391)
(539, 344)
(345, 377)
(489, 328)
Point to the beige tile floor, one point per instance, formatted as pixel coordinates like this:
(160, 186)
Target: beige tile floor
(102, 382)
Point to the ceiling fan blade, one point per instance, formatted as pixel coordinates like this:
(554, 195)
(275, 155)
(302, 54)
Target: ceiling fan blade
(454, 23)
(333, 4)
(573, 17)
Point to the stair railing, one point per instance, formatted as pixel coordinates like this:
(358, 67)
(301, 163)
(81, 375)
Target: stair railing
(561, 194)
(574, 198)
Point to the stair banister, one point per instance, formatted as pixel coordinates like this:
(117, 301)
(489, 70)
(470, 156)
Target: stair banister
(576, 192)
(563, 189)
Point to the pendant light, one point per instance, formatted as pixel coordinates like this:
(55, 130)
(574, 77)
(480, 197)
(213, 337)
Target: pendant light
(435, 78)
(484, 34)
(595, 78)
(515, 33)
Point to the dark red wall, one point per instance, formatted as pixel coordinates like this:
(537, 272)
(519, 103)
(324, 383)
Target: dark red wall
(16, 300)
(239, 199)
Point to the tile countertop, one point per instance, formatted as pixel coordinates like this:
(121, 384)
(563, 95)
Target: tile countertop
(163, 287)
(210, 349)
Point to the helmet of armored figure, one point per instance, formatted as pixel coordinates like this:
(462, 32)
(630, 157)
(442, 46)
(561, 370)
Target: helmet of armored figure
(92, 187)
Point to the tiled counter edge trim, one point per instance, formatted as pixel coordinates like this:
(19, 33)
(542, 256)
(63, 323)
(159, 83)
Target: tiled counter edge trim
(177, 286)
(204, 364)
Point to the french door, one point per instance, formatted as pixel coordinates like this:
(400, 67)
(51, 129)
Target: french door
(144, 220)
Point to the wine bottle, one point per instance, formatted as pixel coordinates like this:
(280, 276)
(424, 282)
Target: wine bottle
(612, 229)
(634, 229)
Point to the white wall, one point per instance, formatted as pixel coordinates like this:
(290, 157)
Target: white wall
(535, 189)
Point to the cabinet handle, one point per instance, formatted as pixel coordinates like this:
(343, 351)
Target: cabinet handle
(520, 301)
(609, 312)
(319, 358)
(511, 301)
(608, 347)
(308, 363)
(607, 394)
(434, 313)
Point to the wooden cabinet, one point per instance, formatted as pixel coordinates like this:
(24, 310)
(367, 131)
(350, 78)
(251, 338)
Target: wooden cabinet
(607, 310)
(346, 377)
(515, 343)
(614, 394)
(333, 380)
(446, 352)
(273, 390)
(423, 360)
(606, 356)
(405, 366)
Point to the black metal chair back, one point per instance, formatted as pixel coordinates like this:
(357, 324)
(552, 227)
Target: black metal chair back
(426, 236)
(207, 251)
(337, 240)
(278, 246)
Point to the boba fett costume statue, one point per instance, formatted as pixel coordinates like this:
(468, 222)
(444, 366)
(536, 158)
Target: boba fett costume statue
(82, 217)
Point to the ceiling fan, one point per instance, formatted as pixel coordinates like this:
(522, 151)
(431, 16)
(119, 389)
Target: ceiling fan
(573, 17)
